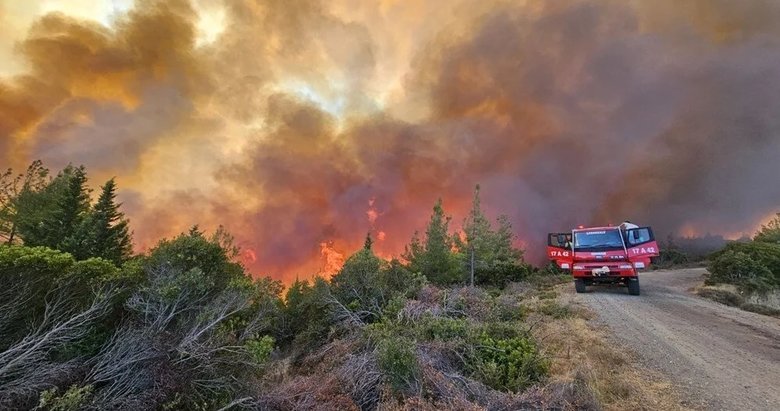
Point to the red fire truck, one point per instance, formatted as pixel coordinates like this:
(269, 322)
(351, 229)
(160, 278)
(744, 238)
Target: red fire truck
(599, 255)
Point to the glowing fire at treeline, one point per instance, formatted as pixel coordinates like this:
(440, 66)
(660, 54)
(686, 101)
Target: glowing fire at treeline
(303, 125)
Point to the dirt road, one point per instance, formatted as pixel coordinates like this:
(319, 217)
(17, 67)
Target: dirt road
(720, 357)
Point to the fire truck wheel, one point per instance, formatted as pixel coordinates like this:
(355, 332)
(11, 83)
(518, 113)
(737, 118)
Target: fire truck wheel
(633, 286)
(579, 285)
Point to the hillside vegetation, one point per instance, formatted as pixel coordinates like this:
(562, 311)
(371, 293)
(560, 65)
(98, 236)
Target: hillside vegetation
(88, 325)
(747, 274)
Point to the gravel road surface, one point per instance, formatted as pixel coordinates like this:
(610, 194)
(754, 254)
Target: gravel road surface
(720, 357)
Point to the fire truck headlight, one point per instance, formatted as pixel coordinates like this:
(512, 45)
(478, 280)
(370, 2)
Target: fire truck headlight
(639, 265)
(565, 266)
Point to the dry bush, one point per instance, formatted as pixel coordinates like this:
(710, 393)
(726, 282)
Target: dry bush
(415, 310)
(342, 374)
(587, 371)
(418, 403)
(430, 294)
(310, 392)
(361, 378)
(574, 394)
(175, 344)
(472, 302)
(27, 367)
(518, 288)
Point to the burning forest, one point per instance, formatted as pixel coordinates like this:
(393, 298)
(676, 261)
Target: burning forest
(316, 205)
(302, 125)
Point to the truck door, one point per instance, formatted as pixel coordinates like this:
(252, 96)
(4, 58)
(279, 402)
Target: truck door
(641, 245)
(559, 249)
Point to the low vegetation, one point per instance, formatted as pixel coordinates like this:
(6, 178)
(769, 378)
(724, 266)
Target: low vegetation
(747, 274)
(586, 368)
(88, 325)
(732, 296)
(671, 255)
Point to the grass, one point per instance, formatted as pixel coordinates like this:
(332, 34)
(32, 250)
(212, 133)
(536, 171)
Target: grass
(761, 309)
(555, 310)
(590, 370)
(729, 295)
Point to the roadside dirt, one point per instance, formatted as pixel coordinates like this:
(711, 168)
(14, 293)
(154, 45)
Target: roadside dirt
(719, 357)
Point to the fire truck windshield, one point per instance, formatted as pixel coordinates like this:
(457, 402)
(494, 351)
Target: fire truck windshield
(606, 239)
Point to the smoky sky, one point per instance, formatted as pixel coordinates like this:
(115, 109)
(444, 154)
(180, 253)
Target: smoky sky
(301, 116)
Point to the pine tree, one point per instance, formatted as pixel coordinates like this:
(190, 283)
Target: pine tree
(434, 257)
(477, 226)
(107, 229)
(413, 253)
(503, 239)
(479, 236)
(495, 259)
(15, 188)
(66, 225)
(53, 215)
(369, 242)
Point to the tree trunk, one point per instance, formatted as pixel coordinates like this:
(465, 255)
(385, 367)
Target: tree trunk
(472, 266)
(12, 234)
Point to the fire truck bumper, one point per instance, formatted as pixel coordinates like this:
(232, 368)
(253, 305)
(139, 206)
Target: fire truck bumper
(605, 272)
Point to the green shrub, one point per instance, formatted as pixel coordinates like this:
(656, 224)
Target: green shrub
(555, 310)
(769, 233)
(548, 276)
(28, 264)
(205, 261)
(550, 269)
(505, 309)
(30, 273)
(393, 308)
(366, 284)
(307, 313)
(765, 253)
(740, 269)
(93, 272)
(71, 400)
(499, 330)
(498, 273)
(444, 328)
(260, 348)
(669, 257)
(398, 360)
(506, 364)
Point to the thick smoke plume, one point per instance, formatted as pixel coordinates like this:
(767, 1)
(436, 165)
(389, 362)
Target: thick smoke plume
(302, 125)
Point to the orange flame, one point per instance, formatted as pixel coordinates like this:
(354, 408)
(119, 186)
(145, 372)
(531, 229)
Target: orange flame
(332, 260)
(371, 212)
(248, 256)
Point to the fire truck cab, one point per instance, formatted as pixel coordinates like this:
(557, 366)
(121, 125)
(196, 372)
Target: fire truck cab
(599, 255)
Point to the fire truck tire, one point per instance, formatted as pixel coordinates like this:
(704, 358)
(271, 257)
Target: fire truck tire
(579, 285)
(633, 286)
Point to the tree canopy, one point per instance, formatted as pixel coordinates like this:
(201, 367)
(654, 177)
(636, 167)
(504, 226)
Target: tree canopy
(58, 213)
(435, 255)
(770, 232)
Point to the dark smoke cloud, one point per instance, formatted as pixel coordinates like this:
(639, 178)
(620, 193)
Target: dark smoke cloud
(583, 112)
